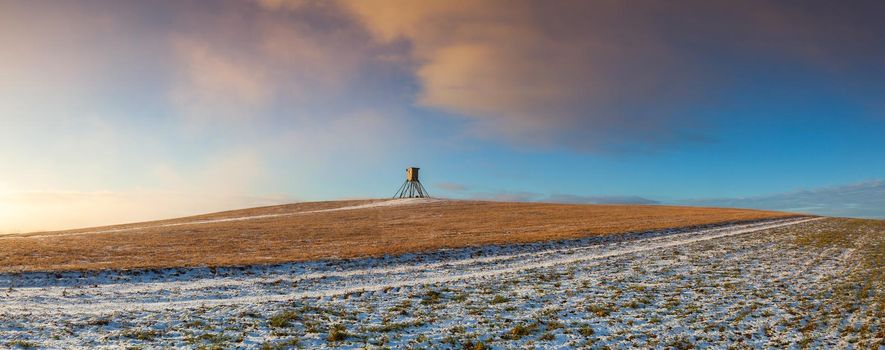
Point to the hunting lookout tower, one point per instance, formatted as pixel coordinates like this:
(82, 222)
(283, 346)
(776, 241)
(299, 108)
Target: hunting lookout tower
(412, 188)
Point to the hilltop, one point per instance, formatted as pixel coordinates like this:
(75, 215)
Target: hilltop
(339, 229)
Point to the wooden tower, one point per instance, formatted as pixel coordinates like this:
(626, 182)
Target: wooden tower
(412, 188)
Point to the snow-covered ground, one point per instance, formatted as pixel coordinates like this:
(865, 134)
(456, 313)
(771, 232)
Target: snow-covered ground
(746, 284)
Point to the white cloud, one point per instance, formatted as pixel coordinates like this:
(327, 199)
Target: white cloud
(865, 200)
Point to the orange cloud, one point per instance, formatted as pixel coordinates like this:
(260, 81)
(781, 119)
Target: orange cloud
(215, 85)
(283, 4)
(235, 66)
(519, 73)
(593, 75)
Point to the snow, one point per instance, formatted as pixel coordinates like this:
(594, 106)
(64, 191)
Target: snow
(713, 286)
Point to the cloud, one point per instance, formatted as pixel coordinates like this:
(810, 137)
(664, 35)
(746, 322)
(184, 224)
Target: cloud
(333, 149)
(98, 99)
(283, 4)
(450, 187)
(603, 76)
(271, 59)
(590, 76)
(568, 198)
(865, 200)
(559, 198)
(216, 86)
(233, 172)
(506, 196)
(566, 75)
(185, 109)
(71, 52)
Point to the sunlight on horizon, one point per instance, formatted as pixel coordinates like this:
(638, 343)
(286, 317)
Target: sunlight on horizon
(34, 211)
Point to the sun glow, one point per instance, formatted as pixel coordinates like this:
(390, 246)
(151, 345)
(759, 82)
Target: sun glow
(5, 205)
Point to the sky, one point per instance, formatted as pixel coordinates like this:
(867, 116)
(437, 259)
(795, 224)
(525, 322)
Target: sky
(120, 111)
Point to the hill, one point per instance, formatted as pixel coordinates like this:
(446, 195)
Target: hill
(339, 229)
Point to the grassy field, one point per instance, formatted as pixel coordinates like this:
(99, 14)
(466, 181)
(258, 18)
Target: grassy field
(310, 231)
(782, 284)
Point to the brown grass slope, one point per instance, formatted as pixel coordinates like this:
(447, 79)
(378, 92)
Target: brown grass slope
(339, 234)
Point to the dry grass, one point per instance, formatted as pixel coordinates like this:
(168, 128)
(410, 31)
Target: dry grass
(339, 234)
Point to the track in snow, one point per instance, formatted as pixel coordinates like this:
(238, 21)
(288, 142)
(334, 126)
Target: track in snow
(175, 289)
(754, 285)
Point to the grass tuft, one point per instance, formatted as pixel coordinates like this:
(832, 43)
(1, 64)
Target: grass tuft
(282, 320)
(337, 333)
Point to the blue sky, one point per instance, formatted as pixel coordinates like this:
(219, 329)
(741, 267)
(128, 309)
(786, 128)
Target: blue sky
(115, 111)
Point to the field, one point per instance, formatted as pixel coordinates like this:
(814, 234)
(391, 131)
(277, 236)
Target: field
(781, 283)
(513, 276)
(342, 229)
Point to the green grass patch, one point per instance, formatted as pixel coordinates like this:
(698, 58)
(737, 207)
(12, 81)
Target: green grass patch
(499, 299)
(337, 333)
(282, 320)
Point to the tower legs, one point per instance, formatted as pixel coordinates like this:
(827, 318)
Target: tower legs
(411, 189)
